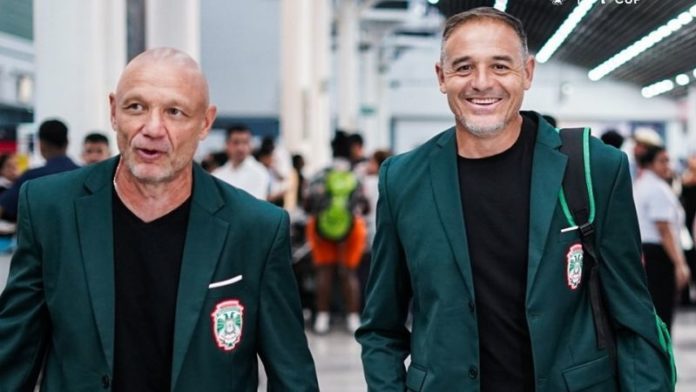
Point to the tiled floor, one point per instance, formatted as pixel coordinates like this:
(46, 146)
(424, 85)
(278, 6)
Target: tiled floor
(337, 355)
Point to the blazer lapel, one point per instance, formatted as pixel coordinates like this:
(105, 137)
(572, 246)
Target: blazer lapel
(445, 183)
(205, 238)
(548, 168)
(95, 233)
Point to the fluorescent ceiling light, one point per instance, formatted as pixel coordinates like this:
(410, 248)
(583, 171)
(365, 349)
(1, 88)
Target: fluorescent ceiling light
(500, 5)
(682, 79)
(433, 2)
(657, 88)
(642, 44)
(566, 28)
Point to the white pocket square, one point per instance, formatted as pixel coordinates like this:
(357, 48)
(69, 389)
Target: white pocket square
(227, 282)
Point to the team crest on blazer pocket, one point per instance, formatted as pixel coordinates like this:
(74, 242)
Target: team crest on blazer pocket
(227, 322)
(574, 266)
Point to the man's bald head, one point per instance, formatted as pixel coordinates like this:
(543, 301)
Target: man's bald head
(160, 111)
(171, 58)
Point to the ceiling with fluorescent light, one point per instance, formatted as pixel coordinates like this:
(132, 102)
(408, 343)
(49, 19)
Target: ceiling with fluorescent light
(606, 30)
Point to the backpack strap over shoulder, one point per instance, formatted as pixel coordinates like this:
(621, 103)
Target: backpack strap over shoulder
(577, 196)
(577, 201)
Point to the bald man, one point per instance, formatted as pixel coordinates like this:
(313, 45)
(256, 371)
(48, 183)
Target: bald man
(143, 272)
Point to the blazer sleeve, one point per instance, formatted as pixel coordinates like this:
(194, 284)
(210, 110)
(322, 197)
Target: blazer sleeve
(24, 319)
(643, 365)
(383, 335)
(282, 342)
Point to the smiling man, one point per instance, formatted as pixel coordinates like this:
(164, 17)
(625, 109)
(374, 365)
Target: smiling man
(469, 231)
(145, 273)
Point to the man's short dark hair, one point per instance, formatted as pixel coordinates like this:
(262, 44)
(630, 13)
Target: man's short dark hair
(96, 137)
(650, 155)
(356, 139)
(237, 128)
(340, 145)
(612, 138)
(54, 133)
(482, 13)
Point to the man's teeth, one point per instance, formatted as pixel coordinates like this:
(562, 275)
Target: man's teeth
(484, 101)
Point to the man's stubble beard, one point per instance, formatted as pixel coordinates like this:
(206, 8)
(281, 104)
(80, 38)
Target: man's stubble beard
(483, 131)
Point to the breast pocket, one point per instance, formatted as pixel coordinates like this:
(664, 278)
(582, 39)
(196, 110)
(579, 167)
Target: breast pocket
(226, 287)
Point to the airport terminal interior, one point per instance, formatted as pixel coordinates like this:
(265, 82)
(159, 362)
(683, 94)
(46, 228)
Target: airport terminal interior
(294, 75)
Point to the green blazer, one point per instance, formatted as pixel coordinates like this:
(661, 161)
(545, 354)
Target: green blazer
(59, 299)
(420, 253)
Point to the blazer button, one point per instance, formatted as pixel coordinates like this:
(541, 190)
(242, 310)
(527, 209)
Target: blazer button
(473, 372)
(106, 381)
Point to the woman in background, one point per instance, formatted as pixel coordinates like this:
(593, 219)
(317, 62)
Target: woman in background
(661, 217)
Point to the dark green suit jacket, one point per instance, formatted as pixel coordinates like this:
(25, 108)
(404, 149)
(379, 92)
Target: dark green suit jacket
(59, 300)
(420, 253)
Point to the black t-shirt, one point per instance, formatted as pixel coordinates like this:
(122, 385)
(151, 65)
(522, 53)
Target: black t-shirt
(147, 258)
(495, 199)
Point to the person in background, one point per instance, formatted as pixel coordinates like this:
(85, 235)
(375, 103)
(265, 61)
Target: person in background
(241, 169)
(8, 171)
(472, 242)
(688, 200)
(371, 186)
(661, 218)
(8, 175)
(53, 145)
(278, 183)
(297, 185)
(144, 272)
(688, 191)
(612, 138)
(643, 139)
(95, 148)
(213, 161)
(337, 233)
(357, 153)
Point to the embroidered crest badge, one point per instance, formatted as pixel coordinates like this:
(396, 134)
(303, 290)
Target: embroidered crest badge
(227, 321)
(574, 266)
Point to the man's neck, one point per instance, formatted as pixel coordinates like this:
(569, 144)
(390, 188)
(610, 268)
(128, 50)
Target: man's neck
(150, 201)
(475, 147)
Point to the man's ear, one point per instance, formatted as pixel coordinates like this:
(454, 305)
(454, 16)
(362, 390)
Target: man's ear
(208, 120)
(112, 110)
(529, 67)
(440, 76)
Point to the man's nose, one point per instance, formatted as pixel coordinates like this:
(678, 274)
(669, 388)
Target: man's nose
(154, 126)
(481, 79)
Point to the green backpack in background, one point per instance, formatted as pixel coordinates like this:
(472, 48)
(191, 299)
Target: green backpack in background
(335, 220)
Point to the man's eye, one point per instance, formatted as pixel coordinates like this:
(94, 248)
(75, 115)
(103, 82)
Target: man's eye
(463, 68)
(175, 112)
(500, 67)
(134, 107)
